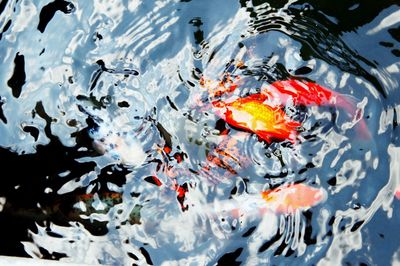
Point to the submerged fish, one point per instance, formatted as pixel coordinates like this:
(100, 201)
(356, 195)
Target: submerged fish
(308, 93)
(262, 113)
(255, 115)
(289, 198)
(114, 137)
(121, 146)
(225, 215)
(282, 200)
(303, 93)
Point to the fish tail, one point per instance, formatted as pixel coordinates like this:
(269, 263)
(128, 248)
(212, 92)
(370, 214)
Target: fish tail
(289, 198)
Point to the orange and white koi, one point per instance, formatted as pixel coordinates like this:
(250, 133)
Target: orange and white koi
(308, 93)
(262, 113)
(303, 93)
(289, 198)
(286, 199)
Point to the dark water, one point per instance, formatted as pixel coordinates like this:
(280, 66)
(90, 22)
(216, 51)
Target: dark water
(106, 132)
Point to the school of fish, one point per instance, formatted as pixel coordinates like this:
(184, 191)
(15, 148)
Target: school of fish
(262, 114)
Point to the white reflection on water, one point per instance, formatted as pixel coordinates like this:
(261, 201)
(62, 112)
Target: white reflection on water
(346, 241)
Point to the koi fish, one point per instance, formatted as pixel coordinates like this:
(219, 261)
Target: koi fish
(309, 93)
(303, 93)
(397, 193)
(124, 148)
(249, 111)
(255, 115)
(286, 199)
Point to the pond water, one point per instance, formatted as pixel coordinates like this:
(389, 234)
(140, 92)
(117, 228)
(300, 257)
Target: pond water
(112, 150)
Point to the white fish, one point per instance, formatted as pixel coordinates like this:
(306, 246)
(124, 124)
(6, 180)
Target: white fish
(121, 146)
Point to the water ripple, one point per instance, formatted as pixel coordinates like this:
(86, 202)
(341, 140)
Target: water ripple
(108, 109)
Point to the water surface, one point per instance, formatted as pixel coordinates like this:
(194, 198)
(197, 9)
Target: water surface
(80, 77)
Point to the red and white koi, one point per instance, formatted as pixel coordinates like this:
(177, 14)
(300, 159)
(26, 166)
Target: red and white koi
(262, 113)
